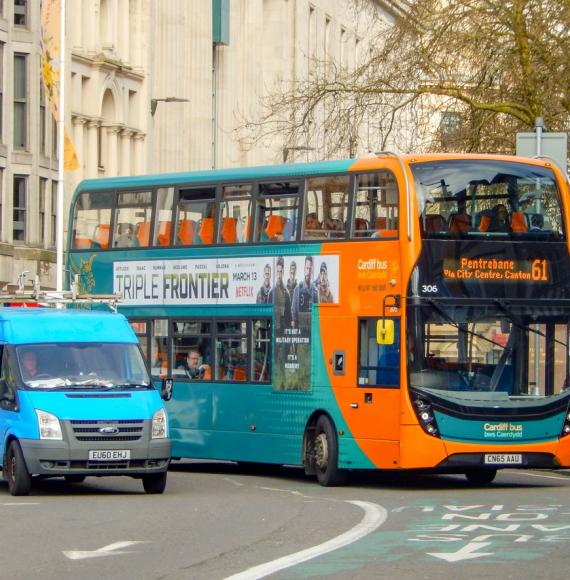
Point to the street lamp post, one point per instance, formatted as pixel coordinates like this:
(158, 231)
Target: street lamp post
(154, 103)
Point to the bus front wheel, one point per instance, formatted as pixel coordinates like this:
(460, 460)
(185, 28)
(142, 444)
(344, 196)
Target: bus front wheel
(325, 446)
(480, 476)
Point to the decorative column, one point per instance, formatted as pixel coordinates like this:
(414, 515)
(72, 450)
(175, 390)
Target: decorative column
(125, 137)
(92, 149)
(123, 32)
(138, 163)
(78, 142)
(111, 158)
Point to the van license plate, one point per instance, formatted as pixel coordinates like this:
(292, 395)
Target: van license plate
(109, 455)
(503, 459)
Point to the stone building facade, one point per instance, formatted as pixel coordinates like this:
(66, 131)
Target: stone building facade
(151, 86)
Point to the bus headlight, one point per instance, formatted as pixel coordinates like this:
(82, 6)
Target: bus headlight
(49, 426)
(425, 415)
(159, 425)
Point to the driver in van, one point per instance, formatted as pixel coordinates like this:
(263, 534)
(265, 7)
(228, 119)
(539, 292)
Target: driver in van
(29, 364)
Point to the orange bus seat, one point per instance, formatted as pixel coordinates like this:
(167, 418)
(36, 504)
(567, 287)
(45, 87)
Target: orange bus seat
(435, 223)
(102, 235)
(485, 223)
(228, 233)
(143, 233)
(460, 223)
(164, 229)
(186, 232)
(274, 228)
(360, 228)
(82, 243)
(518, 222)
(206, 231)
(239, 374)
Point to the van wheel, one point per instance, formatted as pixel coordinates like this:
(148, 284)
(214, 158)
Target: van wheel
(480, 476)
(325, 447)
(74, 478)
(19, 479)
(154, 483)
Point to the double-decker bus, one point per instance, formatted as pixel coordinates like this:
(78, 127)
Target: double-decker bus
(392, 312)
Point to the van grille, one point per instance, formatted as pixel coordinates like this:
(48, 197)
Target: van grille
(128, 430)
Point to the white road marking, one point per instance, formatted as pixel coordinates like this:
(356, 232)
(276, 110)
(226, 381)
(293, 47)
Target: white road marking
(562, 477)
(14, 504)
(110, 550)
(465, 553)
(374, 516)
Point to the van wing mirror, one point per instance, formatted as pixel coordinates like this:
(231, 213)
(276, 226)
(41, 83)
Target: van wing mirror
(385, 331)
(167, 387)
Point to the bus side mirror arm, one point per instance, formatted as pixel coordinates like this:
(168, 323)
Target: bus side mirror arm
(385, 326)
(166, 390)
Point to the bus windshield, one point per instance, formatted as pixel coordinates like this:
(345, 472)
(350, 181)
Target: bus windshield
(82, 366)
(519, 350)
(482, 198)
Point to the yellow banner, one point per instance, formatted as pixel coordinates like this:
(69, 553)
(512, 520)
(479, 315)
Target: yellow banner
(51, 35)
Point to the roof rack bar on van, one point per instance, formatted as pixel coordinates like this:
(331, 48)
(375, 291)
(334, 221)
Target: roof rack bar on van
(407, 184)
(16, 293)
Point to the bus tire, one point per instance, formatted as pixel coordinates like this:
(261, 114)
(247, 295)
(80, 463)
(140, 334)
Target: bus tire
(155, 482)
(325, 446)
(16, 472)
(480, 476)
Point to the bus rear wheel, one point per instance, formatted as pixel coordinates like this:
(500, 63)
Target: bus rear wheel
(480, 476)
(325, 445)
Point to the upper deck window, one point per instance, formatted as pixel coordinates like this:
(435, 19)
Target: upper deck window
(276, 212)
(235, 212)
(486, 198)
(92, 220)
(375, 206)
(326, 207)
(132, 219)
(196, 216)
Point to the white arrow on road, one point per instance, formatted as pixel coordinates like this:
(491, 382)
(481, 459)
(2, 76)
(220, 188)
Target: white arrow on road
(110, 550)
(465, 553)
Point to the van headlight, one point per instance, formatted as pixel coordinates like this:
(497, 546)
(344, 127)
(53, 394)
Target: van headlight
(159, 425)
(49, 426)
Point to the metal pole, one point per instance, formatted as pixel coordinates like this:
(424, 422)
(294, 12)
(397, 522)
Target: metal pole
(539, 128)
(61, 153)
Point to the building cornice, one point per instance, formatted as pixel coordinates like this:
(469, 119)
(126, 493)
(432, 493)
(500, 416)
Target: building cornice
(103, 62)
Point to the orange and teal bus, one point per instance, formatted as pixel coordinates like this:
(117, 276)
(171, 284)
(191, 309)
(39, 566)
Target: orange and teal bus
(392, 312)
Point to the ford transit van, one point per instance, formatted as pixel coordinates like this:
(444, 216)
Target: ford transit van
(76, 400)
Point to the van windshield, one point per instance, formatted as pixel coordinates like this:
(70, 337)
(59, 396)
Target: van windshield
(82, 366)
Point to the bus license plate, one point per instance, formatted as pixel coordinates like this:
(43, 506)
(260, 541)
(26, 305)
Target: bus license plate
(109, 455)
(503, 459)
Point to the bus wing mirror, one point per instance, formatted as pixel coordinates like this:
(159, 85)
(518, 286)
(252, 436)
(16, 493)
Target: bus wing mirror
(167, 387)
(385, 331)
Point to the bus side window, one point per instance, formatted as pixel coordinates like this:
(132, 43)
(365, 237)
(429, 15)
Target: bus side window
(196, 205)
(326, 207)
(91, 220)
(378, 365)
(277, 212)
(235, 210)
(375, 212)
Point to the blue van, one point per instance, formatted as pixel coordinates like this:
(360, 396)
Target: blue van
(76, 400)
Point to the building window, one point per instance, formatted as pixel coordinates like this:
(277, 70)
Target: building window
(20, 101)
(19, 205)
(42, 209)
(53, 215)
(21, 12)
(43, 128)
(450, 128)
(1, 91)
